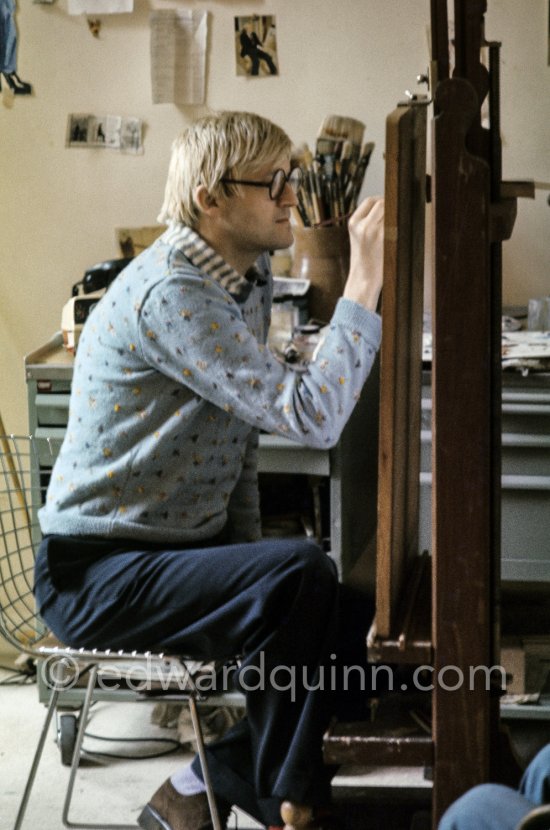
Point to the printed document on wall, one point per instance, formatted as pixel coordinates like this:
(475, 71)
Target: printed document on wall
(100, 6)
(178, 56)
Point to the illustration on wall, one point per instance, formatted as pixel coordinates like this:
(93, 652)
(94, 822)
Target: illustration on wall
(256, 45)
(8, 50)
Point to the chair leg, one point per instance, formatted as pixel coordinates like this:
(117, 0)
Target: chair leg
(83, 720)
(216, 823)
(36, 760)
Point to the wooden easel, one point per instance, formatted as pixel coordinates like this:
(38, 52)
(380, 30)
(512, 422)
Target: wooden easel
(400, 369)
(400, 633)
(473, 212)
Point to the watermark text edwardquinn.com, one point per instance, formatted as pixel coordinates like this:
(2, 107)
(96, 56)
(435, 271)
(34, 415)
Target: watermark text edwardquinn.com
(154, 674)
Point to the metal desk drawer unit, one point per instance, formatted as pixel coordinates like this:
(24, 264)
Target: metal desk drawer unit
(525, 506)
(350, 468)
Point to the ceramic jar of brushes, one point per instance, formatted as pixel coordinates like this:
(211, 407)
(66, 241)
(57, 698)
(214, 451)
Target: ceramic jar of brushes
(321, 255)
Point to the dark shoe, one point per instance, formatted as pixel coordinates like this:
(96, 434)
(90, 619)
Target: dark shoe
(17, 86)
(170, 810)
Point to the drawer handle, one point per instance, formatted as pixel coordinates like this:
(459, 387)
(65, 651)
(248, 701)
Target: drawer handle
(507, 482)
(533, 406)
(52, 401)
(512, 440)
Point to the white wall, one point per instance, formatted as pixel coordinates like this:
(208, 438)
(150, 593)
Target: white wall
(59, 207)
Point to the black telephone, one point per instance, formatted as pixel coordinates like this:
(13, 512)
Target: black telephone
(100, 276)
(85, 294)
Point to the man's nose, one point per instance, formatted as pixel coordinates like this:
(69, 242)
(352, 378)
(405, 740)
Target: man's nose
(288, 196)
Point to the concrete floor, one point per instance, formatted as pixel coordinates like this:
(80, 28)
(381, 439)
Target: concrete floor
(107, 791)
(111, 791)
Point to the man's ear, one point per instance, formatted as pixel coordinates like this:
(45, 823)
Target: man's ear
(204, 199)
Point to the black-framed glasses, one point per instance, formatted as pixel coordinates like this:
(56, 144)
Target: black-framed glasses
(277, 184)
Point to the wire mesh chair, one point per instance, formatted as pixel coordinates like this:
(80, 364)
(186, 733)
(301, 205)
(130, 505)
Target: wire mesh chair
(23, 483)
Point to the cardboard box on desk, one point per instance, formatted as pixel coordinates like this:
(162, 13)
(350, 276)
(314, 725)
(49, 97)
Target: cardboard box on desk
(527, 661)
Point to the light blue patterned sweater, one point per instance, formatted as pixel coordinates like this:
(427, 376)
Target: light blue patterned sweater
(172, 383)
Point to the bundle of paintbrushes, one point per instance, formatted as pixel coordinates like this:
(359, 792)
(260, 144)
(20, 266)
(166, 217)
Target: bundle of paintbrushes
(332, 179)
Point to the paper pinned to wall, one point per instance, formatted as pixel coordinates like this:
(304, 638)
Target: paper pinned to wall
(96, 7)
(104, 131)
(178, 56)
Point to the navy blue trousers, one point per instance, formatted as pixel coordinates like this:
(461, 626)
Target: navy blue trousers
(277, 603)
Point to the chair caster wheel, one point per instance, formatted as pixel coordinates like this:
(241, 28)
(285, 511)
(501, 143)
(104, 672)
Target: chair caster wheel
(66, 736)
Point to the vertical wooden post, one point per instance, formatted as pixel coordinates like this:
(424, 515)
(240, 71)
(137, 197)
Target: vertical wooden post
(463, 450)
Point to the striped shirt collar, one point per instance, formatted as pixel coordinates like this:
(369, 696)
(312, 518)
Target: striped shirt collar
(210, 263)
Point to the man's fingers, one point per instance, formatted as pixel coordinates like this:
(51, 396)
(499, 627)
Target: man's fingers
(372, 204)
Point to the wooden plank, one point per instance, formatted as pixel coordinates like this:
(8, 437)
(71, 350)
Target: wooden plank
(468, 40)
(363, 743)
(463, 449)
(400, 358)
(518, 188)
(439, 41)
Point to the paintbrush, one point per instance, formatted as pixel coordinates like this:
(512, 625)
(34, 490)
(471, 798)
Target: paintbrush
(332, 180)
(337, 129)
(302, 156)
(366, 153)
(311, 183)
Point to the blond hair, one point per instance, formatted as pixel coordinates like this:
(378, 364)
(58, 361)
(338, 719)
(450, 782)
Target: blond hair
(217, 145)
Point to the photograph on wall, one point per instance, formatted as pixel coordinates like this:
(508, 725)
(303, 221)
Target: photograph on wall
(256, 45)
(109, 131)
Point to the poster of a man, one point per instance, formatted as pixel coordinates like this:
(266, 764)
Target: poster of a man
(256, 45)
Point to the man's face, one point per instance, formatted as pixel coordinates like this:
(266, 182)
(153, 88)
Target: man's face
(251, 221)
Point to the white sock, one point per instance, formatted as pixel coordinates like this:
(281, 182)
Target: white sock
(186, 782)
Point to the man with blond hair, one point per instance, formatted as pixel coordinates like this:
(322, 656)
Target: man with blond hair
(152, 534)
